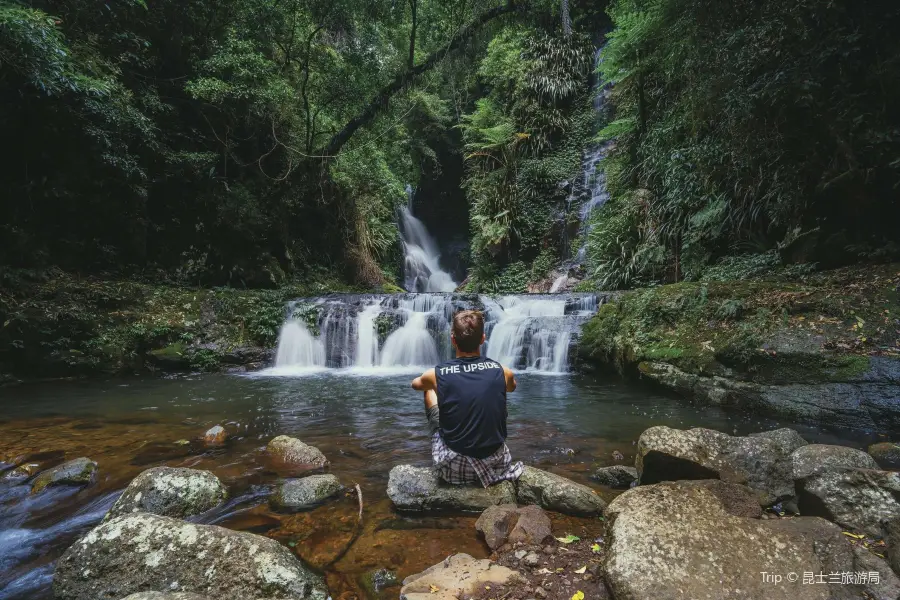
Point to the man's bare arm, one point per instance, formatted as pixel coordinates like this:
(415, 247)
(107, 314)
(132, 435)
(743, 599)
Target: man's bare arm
(510, 380)
(426, 381)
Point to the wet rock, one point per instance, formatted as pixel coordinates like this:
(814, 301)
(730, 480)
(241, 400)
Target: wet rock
(618, 477)
(859, 499)
(375, 582)
(816, 458)
(675, 540)
(761, 463)
(455, 577)
(170, 492)
(787, 439)
(294, 452)
(556, 493)
(509, 524)
(215, 435)
(886, 454)
(141, 551)
(301, 494)
(73, 473)
(421, 489)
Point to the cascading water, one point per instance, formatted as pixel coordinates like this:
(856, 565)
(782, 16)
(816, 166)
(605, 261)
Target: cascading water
(528, 332)
(421, 263)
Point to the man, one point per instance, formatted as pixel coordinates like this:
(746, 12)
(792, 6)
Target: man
(465, 403)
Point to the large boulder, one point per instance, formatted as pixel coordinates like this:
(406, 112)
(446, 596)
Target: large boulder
(760, 462)
(787, 439)
(142, 552)
(886, 454)
(454, 577)
(618, 477)
(292, 451)
(76, 472)
(816, 458)
(301, 494)
(677, 541)
(556, 493)
(860, 499)
(170, 492)
(509, 524)
(421, 489)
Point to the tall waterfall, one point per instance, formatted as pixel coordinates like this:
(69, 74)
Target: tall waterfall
(378, 331)
(421, 268)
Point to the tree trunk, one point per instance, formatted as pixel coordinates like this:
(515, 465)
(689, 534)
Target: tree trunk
(413, 5)
(566, 19)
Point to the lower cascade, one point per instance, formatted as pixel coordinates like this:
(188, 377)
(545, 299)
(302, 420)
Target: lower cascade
(370, 331)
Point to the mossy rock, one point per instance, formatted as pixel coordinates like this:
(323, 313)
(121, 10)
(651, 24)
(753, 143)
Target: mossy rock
(78, 472)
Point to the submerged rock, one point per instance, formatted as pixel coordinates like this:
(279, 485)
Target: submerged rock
(816, 458)
(860, 499)
(886, 454)
(509, 524)
(557, 493)
(761, 463)
(292, 451)
(300, 494)
(73, 473)
(215, 435)
(141, 551)
(170, 492)
(374, 582)
(455, 577)
(421, 489)
(618, 477)
(676, 540)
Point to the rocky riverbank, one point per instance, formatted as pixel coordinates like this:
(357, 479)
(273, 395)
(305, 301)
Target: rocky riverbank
(824, 348)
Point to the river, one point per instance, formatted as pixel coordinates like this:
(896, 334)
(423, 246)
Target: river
(364, 421)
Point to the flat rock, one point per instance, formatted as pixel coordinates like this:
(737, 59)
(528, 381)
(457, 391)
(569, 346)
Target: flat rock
(618, 477)
(73, 473)
(675, 540)
(455, 577)
(556, 493)
(886, 454)
(301, 494)
(859, 499)
(816, 458)
(509, 524)
(144, 552)
(292, 451)
(421, 489)
(170, 492)
(759, 462)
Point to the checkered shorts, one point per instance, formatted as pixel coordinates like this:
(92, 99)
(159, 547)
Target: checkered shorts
(458, 469)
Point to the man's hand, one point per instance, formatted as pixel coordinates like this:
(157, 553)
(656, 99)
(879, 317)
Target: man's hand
(510, 380)
(425, 382)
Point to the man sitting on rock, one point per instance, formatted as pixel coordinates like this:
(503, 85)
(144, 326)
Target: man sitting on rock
(465, 403)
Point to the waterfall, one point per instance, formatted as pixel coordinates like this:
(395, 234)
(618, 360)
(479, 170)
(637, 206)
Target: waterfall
(524, 332)
(421, 268)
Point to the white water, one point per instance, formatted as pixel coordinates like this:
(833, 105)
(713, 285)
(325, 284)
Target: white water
(558, 283)
(421, 263)
(531, 333)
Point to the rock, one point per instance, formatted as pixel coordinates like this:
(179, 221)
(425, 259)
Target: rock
(300, 494)
(892, 539)
(508, 524)
(886, 454)
(166, 596)
(215, 435)
(142, 551)
(787, 439)
(376, 581)
(666, 454)
(859, 499)
(540, 592)
(455, 577)
(292, 451)
(74, 473)
(170, 492)
(421, 489)
(675, 540)
(618, 477)
(556, 493)
(531, 560)
(520, 554)
(736, 499)
(816, 458)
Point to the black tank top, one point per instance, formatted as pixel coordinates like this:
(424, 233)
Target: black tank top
(472, 403)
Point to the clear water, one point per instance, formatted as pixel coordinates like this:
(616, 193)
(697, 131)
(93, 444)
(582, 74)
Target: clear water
(365, 421)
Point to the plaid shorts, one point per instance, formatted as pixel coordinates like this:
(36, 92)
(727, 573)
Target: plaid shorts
(458, 469)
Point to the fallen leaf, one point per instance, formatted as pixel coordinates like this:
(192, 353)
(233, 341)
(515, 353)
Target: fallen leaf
(581, 570)
(579, 595)
(855, 536)
(434, 589)
(568, 539)
(595, 548)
